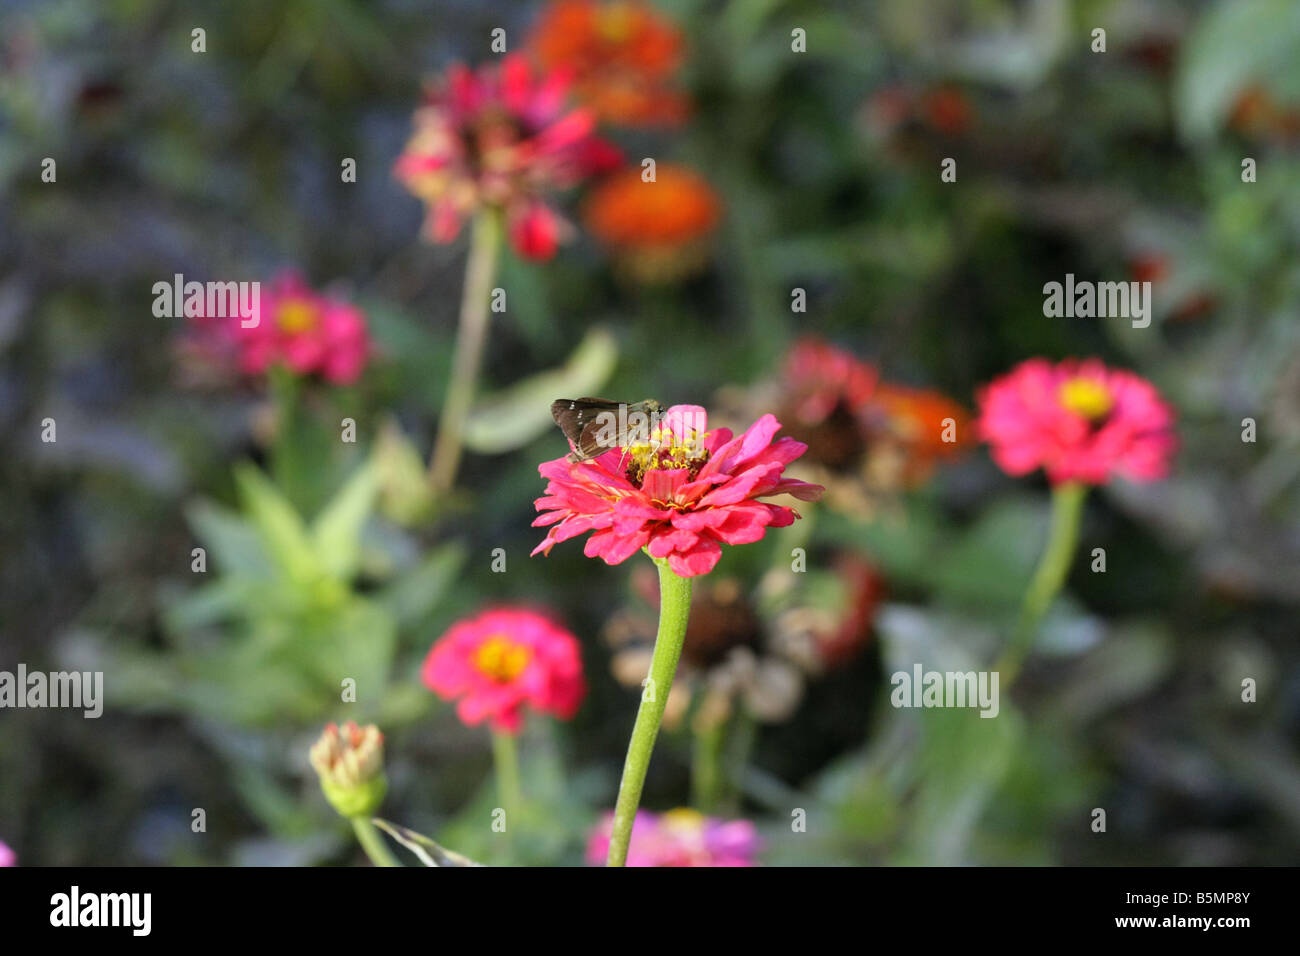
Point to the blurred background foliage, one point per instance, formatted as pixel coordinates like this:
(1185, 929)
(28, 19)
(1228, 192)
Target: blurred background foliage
(326, 557)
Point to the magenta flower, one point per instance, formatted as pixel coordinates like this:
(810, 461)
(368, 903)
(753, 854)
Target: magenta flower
(680, 838)
(501, 137)
(7, 856)
(503, 660)
(682, 494)
(1078, 420)
(308, 332)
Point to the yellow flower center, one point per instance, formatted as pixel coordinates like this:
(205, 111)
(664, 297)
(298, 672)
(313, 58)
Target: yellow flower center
(1087, 397)
(683, 818)
(295, 317)
(615, 21)
(502, 659)
(664, 451)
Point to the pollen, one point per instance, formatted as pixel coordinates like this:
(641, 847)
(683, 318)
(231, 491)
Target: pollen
(665, 451)
(502, 659)
(1087, 397)
(294, 317)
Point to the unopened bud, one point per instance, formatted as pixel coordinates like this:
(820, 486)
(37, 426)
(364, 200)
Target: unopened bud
(350, 762)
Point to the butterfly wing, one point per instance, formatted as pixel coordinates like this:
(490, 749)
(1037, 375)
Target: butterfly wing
(579, 419)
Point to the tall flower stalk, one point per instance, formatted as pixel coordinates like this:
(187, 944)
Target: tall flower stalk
(505, 759)
(471, 336)
(1053, 568)
(674, 612)
(491, 145)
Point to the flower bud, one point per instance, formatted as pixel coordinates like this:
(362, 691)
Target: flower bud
(350, 762)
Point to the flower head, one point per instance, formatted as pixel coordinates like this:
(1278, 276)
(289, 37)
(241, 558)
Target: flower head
(350, 763)
(1079, 421)
(682, 493)
(623, 56)
(680, 838)
(308, 332)
(500, 138)
(658, 229)
(503, 660)
(867, 439)
(7, 856)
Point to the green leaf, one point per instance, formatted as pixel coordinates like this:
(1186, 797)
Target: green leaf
(430, 853)
(278, 524)
(232, 542)
(515, 416)
(416, 592)
(1233, 45)
(336, 532)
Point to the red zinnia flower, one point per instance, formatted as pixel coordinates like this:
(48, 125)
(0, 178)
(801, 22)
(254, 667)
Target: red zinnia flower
(682, 493)
(504, 659)
(501, 137)
(1080, 421)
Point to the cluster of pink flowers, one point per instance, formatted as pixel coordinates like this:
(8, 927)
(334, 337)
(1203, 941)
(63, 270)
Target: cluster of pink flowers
(680, 838)
(1079, 421)
(502, 660)
(501, 137)
(682, 494)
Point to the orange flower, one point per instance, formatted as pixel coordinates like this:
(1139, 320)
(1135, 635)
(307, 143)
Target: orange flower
(916, 418)
(657, 230)
(622, 56)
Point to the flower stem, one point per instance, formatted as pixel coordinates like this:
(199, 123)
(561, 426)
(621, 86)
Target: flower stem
(706, 767)
(505, 755)
(471, 335)
(373, 843)
(1053, 567)
(674, 611)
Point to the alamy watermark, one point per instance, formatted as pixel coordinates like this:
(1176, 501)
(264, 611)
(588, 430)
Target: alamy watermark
(221, 300)
(922, 688)
(1100, 300)
(77, 689)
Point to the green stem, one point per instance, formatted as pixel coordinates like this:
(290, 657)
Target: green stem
(744, 734)
(674, 611)
(471, 335)
(505, 756)
(373, 843)
(1053, 567)
(706, 767)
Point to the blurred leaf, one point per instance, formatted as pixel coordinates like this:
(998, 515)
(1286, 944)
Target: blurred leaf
(278, 524)
(1232, 45)
(336, 532)
(430, 853)
(231, 541)
(416, 592)
(515, 416)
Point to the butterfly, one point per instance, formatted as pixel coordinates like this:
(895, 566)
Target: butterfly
(593, 426)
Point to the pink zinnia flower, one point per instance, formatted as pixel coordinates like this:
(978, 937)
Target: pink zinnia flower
(7, 856)
(309, 332)
(680, 838)
(682, 494)
(504, 659)
(501, 137)
(1079, 420)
